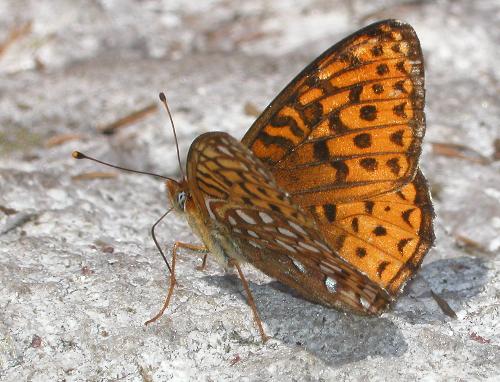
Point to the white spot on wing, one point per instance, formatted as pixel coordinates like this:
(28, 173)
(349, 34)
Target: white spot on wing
(249, 156)
(364, 303)
(369, 292)
(309, 247)
(209, 209)
(349, 294)
(247, 218)
(299, 265)
(327, 267)
(224, 141)
(297, 227)
(264, 173)
(223, 149)
(265, 217)
(331, 284)
(287, 232)
(252, 233)
(231, 220)
(254, 244)
(285, 245)
(321, 245)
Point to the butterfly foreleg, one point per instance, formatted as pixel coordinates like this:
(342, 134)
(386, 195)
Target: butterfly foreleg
(177, 245)
(250, 300)
(197, 248)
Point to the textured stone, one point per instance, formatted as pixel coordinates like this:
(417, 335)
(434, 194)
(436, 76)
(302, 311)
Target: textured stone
(79, 273)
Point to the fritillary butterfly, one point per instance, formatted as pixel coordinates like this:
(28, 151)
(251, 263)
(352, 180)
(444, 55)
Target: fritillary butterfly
(324, 192)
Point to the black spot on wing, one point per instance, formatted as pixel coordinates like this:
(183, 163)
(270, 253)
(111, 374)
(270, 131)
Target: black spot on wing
(400, 66)
(402, 243)
(369, 207)
(355, 93)
(381, 268)
(378, 88)
(312, 113)
(394, 165)
(342, 170)
(396, 48)
(377, 50)
(339, 242)
(399, 110)
(380, 231)
(382, 69)
(274, 207)
(360, 252)
(355, 224)
(282, 121)
(335, 124)
(369, 164)
(406, 216)
(368, 113)
(262, 190)
(330, 211)
(320, 151)
(401, 195)
(399, 85)
(397, 138)
(275, 140)
(363, 140)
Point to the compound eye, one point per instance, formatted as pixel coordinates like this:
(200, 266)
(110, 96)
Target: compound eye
(181, 199)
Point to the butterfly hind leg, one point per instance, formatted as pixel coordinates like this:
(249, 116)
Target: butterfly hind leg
(250, 300)
(203, 261)
(176, 246)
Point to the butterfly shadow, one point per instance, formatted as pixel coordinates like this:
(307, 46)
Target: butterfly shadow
(441, 289)
(335, 337)
(339, 338)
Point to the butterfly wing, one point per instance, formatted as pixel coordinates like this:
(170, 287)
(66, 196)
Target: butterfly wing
(350, 125)
(343, 137)
(386, 236)
(240, 201)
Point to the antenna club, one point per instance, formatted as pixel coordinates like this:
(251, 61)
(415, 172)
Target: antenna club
(163, 99)
(78, 155)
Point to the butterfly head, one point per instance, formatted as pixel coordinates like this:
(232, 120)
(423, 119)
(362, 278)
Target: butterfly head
(177, 194)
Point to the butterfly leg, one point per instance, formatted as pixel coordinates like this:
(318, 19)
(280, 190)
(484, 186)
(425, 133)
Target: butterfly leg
(203, 262)
(250, 299)
(177, 245)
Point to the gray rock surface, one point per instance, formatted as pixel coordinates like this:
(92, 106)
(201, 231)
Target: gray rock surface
(79, 273)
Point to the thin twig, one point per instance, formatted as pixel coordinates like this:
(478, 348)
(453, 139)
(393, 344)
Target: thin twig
(443, 304)
(15, 34)
(129, 119)
(59, 139)
(95, 175)
(453, 150)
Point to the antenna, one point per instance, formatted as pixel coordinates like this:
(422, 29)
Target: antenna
(79, 155)
(163, 100)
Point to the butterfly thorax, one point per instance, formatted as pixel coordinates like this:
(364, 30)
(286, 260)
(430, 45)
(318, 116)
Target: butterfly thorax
(213, 236)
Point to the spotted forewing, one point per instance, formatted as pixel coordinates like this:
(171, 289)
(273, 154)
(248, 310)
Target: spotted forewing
(239, 198)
